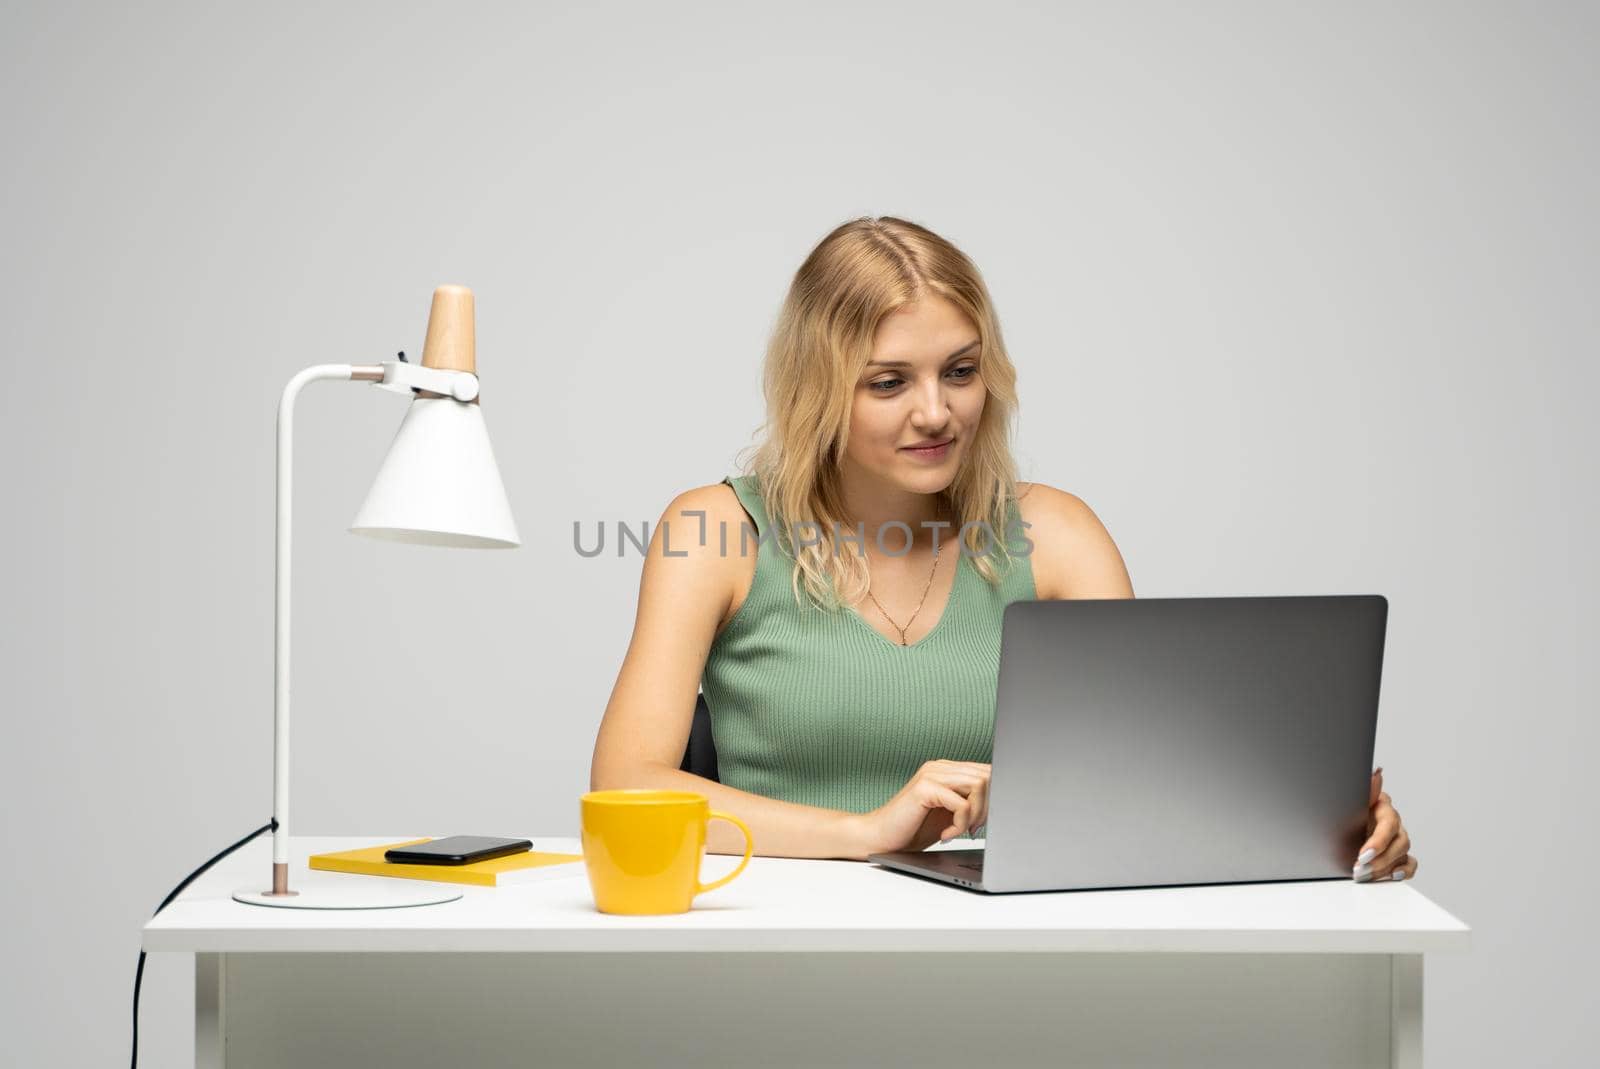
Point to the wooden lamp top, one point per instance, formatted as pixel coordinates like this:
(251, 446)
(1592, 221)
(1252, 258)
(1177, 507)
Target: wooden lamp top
(451, 344)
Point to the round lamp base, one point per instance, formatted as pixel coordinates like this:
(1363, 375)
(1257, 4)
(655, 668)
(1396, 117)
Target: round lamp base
(373, 892)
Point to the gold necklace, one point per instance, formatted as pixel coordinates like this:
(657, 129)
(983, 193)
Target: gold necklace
(920, 600)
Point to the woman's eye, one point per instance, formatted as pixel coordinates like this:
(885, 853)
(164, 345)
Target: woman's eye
(961, 374)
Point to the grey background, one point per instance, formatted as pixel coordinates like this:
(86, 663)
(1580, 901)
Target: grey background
(1302, 300)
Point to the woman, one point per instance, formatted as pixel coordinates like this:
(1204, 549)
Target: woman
(840, 606)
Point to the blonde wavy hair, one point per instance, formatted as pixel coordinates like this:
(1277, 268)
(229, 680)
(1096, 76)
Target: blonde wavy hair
(861, 272)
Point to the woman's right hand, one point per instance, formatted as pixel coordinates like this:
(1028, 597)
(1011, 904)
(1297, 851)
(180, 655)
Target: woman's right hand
(944, 799)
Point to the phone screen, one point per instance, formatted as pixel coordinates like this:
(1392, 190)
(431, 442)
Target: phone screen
(457, 850)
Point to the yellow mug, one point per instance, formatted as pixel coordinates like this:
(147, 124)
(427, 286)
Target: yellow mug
(643, 849)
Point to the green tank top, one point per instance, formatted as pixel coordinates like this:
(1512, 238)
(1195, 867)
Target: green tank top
(823, 710)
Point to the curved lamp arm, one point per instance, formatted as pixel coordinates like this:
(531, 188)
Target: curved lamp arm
(458, 385)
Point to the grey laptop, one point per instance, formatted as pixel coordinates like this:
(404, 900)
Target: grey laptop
(1150, 742)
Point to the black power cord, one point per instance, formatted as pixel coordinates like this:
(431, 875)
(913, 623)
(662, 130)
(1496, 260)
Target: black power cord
(138, 976)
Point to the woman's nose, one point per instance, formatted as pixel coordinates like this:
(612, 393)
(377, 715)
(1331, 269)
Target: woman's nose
(932, 408)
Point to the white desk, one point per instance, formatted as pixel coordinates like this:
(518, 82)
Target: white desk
(808, 963)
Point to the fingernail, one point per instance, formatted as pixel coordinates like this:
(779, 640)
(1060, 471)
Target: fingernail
(1362, 873)
(1398, 875)
(1366, 856)
(1377, 770)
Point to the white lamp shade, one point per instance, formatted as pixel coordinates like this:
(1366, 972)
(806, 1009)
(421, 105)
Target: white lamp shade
(439, 484)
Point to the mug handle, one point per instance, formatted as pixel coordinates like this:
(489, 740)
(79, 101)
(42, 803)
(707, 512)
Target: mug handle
(749, 848)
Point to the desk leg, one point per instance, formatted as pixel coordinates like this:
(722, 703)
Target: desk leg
(1405, 1011)
(208, 993)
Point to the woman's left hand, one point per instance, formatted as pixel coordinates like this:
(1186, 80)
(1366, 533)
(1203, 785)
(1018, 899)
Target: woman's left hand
(1386, 855)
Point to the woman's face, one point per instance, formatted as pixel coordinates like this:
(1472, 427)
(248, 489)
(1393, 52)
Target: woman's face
(920, 385)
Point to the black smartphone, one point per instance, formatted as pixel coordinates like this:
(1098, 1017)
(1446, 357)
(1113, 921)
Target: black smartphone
(456, 850)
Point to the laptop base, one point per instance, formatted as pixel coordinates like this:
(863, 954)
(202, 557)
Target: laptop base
(964, 868)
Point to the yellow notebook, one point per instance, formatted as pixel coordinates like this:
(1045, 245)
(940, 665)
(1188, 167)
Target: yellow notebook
(528, 867)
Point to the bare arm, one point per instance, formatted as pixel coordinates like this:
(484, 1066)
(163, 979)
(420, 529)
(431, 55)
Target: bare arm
(682, 602)
(1073, 554)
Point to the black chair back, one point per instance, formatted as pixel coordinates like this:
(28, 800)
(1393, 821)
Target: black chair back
(700, 757)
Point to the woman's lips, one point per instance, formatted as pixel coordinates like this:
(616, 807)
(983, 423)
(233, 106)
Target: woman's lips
(936, 452)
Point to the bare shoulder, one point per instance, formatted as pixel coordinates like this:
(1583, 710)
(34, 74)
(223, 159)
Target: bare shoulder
(1051, 504)
(684, 591)
(1073, 553)
(691, 526)
(717, 502)
(703, 525)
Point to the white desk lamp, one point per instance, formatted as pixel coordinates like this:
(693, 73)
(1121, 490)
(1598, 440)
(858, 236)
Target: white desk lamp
(438, 486)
